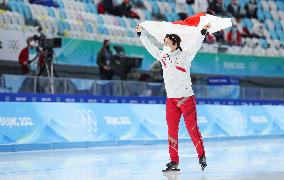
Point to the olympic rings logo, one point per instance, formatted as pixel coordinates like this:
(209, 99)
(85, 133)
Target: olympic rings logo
(13, 45)
(88, 119)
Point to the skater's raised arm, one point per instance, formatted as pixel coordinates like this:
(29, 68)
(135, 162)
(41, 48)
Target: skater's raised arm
(151, 48)
(197, 44)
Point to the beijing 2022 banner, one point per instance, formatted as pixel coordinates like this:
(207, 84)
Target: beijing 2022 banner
(25, 123)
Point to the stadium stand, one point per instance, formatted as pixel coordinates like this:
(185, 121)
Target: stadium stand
(80, 19)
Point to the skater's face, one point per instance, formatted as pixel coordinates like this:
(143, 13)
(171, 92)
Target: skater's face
(170, 43)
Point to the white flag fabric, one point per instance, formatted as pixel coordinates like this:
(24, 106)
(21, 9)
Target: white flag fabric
(188, 29)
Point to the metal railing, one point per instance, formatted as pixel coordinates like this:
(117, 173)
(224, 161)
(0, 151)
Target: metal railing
(30, 84)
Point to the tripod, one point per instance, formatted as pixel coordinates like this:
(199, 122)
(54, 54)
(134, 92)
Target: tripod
(49, 66)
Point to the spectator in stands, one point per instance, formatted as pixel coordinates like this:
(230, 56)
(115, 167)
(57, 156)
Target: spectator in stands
(125, 9)
(30, 59)
(258, 31)
(219, 36)
(104, 59)
(4, 6)
(105, 6)
(210, 39)
(157, 71)
(139, 5)
(234, 37)
(216, 8)
(190, 2)
(234, 9)
(251, 9)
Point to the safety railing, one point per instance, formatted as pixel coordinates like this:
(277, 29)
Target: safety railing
(30, 84)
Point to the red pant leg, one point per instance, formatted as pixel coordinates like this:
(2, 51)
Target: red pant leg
(173, 114)
(188, 109)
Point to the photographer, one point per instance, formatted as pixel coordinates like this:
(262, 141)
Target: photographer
(30, 59)
(104, 59)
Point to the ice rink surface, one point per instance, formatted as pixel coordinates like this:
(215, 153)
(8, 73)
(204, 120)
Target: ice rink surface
(237, 160)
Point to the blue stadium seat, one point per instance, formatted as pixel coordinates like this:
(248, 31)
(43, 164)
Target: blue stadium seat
(280, 35)
(62, 14)
(155, 8)
(278, 25)
(132, 23)
(27, 11)
(148, 15)
(60, 4)
(168, 17)
(67, 25)
(94, 9)
(189, 10)
(280, 5)
(226, 3)
(273, 34)
(264, 43)
(175, 16)
(88, 8)
(20, 9)
(121, 22)
(106, 32)
(89, 28)
(100, 20)
(13, 6)
(129, 33)
(173, 6)
(267, 14)
(60, 27)
(100, 29)
(260, 15)
(242, 3)
(51, 12)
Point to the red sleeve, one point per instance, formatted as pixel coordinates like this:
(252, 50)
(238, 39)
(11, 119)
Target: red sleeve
(24, 56)
(229, 37)
(239, 40)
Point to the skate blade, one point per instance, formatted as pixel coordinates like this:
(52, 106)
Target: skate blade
(172, 170)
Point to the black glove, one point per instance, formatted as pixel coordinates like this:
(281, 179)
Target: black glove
(204, 32)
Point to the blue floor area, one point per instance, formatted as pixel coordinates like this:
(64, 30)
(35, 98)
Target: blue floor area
(237, 160)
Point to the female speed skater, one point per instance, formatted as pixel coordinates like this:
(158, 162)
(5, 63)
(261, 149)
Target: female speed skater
(181, 40)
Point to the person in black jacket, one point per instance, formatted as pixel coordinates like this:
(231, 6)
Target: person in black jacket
(104, 59)
(234, 9)
(251, 9)
(216, 8)
(125, 9)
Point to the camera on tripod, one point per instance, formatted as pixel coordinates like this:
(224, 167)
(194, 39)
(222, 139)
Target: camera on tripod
(123, 64)
(47, 44)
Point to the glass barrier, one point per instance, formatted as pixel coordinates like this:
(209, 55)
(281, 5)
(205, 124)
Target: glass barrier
(29, 84)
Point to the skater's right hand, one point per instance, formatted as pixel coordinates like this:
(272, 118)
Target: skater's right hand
(207, 26)
(138, 29)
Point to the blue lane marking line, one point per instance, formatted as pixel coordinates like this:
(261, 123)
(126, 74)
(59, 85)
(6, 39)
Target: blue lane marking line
(76, 145)
(18, 97)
